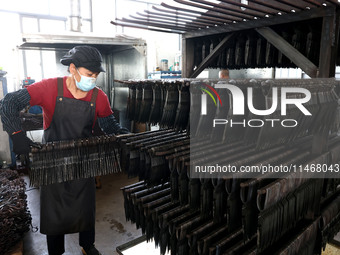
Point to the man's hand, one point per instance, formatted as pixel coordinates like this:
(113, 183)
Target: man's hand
(21, 143)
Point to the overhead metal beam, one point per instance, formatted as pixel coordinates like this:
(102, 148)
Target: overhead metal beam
(215, 52)
(264, 22)
(289, 51)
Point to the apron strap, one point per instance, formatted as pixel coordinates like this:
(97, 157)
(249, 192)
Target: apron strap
(93, 102)
(94, 95)
(60, 87)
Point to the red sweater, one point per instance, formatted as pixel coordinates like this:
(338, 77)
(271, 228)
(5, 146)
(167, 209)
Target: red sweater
(45, 92)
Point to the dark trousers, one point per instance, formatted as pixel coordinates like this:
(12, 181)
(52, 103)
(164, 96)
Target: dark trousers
(55, 243)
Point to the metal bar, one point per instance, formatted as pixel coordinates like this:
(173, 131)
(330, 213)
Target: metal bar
(280, 19)
(269, 5)
(216, 21)
(203, 15)
(159, 21)
(146, 28)
(248, 7)
(197, 12)
(335, 42)
(225, 7)
(121, 248)
(172, 12)
(320, 142)
(153, 24)
(221, 10)
(196, 18)
(162, 15)
(313, 2)
(290, 3)
(333, 2)
(164, 22)
(188, 57)
(217, 50)
(328, 46)
(173, 18)
(289, 51)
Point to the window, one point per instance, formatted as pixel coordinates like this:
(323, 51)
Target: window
(33, 64)
(32, 6)
(59, 8)
(85, 9)
(49, 63)
(30, 25)
(48, 25)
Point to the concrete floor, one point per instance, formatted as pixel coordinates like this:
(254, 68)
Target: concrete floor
(331, 250)
(112, 229)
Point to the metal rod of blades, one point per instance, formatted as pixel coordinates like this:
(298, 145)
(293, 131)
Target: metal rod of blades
(177, 13)
(235, 16)
(313, 2)
(146, 28)
(202, 16)
(230, 8)
(250, 7)
(291, 4)
(270, 5)
(179, 23)
(183, 28)
(220, 17)
(176, 22)
(333, 2)
(174, 18)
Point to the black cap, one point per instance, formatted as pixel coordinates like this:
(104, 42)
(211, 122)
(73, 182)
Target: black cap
(84, 56)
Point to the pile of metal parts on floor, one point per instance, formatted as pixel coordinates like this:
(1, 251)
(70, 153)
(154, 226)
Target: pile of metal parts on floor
(233, 214)
(15, 218)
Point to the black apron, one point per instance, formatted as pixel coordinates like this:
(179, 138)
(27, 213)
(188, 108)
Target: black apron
(69, 207)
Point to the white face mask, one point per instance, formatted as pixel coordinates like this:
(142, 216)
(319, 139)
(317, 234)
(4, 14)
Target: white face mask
(85, 83)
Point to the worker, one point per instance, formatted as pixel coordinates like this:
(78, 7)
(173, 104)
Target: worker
(223, 74)
(71, 105)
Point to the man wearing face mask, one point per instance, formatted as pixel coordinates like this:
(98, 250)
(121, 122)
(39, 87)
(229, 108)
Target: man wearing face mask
(71, 106)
